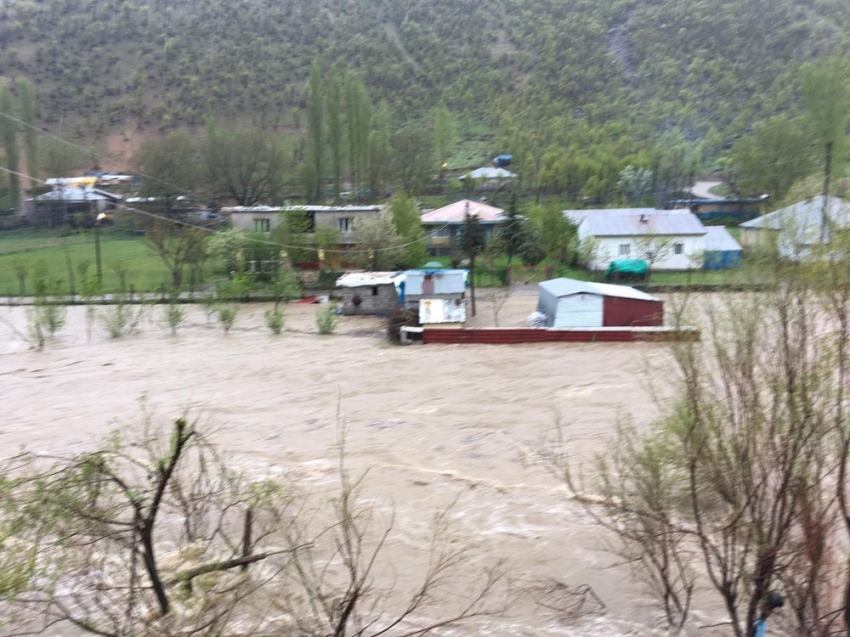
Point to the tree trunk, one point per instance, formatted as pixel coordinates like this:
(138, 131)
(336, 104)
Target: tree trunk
(825, 221)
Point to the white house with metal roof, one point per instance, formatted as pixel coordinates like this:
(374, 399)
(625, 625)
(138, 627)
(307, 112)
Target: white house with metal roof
(489, 177)
(667, 239)
(796, 229)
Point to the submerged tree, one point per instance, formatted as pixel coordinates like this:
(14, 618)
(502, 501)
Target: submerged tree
(156, 534)
(747, 468)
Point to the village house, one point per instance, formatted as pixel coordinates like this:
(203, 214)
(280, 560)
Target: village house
(796, 229)
(267, 218)
(665, 239)
(490, 178)
(443, 226)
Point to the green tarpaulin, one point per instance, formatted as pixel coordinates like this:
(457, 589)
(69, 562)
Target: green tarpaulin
(627, 267)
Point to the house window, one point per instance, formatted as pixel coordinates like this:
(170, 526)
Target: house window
(344, 224)
(625, 249)
(262, 225)
(374, 291)
(678, 248)
(441, 233)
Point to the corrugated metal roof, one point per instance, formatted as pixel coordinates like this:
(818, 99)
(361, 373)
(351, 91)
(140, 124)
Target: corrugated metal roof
(577, 216)
(454, 213)
(718, 239)
(77, 195)
(365, 279)
(652, 223)
(803, 215)
(488, 172)
(567, 287)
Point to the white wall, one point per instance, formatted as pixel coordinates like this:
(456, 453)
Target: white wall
(690, 259)
(579, 310)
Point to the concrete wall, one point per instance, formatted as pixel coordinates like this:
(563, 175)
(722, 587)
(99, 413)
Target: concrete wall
(245, 220)
(378, 299)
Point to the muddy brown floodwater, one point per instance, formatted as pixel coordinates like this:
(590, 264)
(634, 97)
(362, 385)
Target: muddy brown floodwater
(432, 424)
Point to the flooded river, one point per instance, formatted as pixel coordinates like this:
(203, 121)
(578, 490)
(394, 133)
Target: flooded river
(432, 424)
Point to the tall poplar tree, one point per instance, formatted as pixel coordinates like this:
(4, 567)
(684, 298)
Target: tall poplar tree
(334, 112)
(359, 120)
(26, 94)
(9, 138)
(380, 150)
(445, 133)
(315, 134)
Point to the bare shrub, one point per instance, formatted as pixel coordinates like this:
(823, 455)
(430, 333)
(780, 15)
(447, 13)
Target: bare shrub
(155, 535)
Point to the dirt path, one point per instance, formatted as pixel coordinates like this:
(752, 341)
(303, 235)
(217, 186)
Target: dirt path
(702, 189)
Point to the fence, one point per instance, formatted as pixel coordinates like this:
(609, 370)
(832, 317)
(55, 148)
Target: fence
(515, 336)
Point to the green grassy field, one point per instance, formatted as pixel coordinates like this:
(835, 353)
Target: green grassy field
(41, 251)
(145, 272)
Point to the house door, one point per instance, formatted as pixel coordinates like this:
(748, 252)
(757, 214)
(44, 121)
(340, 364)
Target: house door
(428, 285)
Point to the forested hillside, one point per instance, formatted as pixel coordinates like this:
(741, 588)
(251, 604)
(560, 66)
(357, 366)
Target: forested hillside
(576, 91)
(662, 63)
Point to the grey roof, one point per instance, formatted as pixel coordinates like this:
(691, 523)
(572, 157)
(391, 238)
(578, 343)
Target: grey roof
(488, 172)
(567, 287)
(578, 216)
(718, 239)
(803, 215)
(631, 222)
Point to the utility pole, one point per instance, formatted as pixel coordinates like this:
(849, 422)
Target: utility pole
(97, 221)
(469, 239)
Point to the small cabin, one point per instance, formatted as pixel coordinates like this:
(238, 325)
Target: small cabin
(438, 294)
(369, 292)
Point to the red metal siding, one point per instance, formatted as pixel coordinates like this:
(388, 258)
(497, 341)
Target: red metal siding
(512, 336)
(620, 312)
